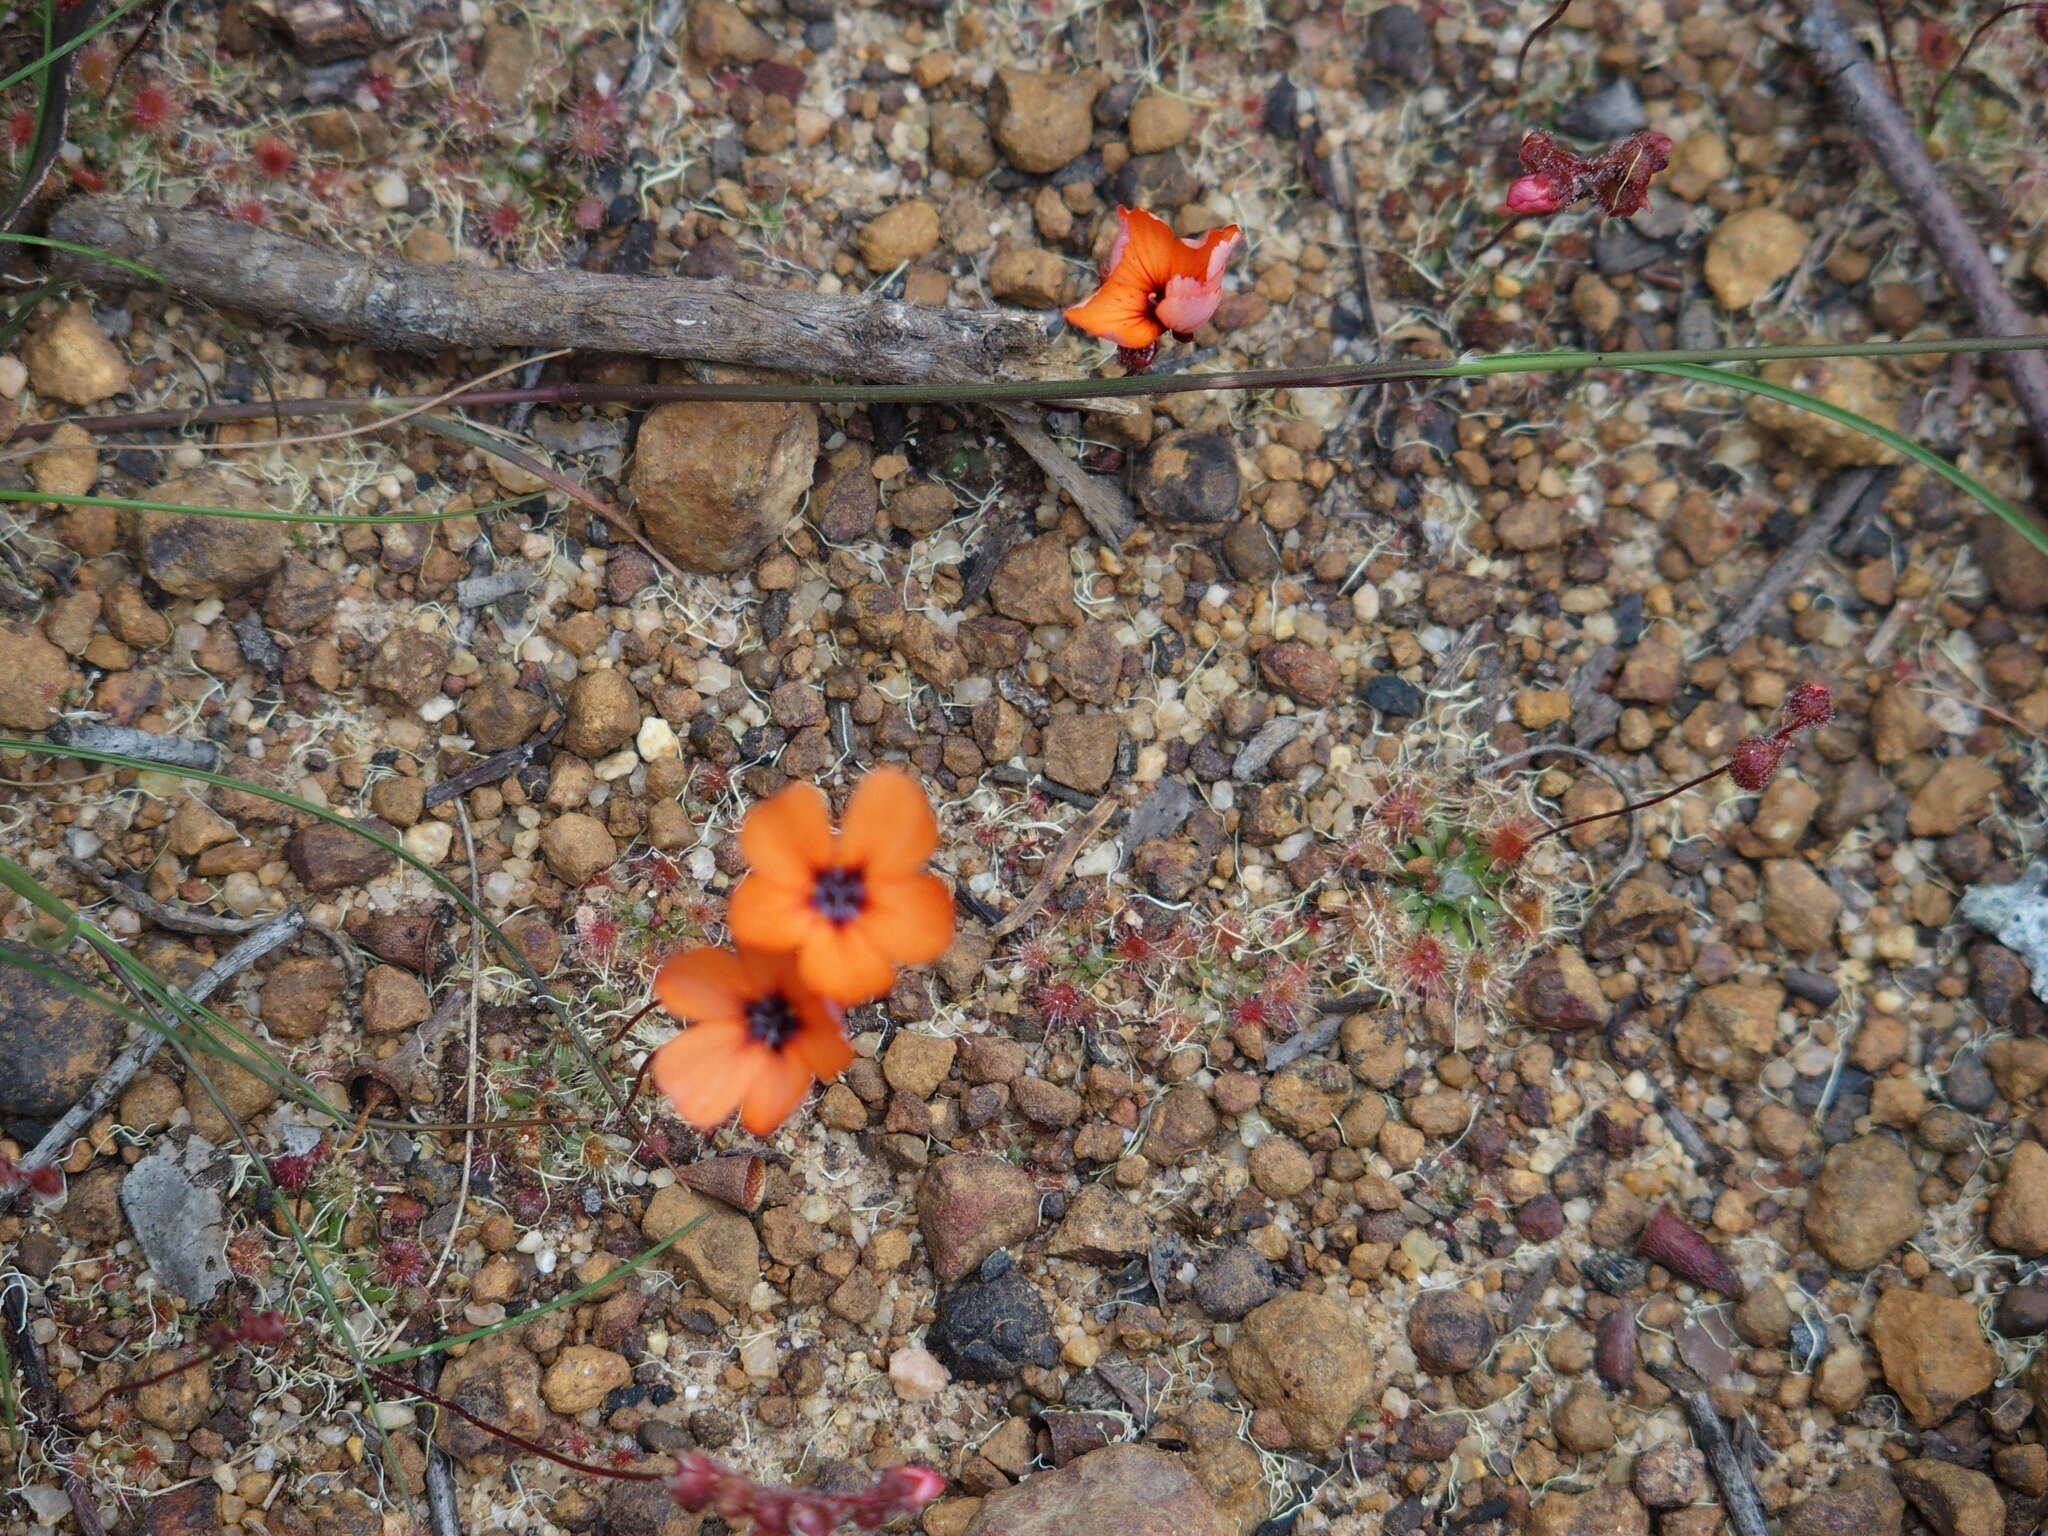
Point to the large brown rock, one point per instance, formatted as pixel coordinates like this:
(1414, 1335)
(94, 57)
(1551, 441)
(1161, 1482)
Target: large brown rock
(1862, 1502)
(1606, 1511)
(71, 360)
(191, 555)
(1934, 1352)
(53, 1044)
(604, 712)
(1041, 121)
(1865, 1202)
(970, 1206)
(1304, 1357)
(1952, 1499)
(34, 680)
(2017, 571)
(1728, 1029)
(2019, 1211)
(717, 482)
(330, 858)
(721, 1253)
(1131, 1490)
(498, 1380)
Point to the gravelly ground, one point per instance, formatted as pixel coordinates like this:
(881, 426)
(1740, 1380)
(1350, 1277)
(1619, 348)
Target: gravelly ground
(1317, 1144)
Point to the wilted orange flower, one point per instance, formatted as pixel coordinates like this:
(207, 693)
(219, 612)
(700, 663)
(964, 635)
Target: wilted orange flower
(758, 1037)
(852, 906)
(1155, 282)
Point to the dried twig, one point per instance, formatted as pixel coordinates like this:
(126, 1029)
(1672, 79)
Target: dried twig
(151, 746)
(489, 770)
(1705, 1155)
(1056, 868)
(1739, 1496)
(1101, 501)
(438, 306)
(443, 1508)
(1856, 488)
(1888, 133)
(174, 919)
(274, 933)
(1534, 1284)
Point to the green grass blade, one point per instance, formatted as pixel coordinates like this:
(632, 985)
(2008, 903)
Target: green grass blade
(25, 309)
(566, 1299)
(76, 43)
(448, 887)
(88, 251)
(2020, 523)
(259, 514)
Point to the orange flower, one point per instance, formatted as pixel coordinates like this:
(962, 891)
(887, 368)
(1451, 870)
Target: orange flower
(759, 1037)
(855, 905)
(1155, 283)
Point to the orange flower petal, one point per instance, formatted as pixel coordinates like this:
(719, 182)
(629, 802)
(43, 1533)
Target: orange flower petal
(841, 963)
(889, 827)
(774, 1096)
(823, 1050)
(1146, 248)
(910, 921)
(788, 836)
(1119, 311)
(702, 984)
(772, 915)
(705, 1072)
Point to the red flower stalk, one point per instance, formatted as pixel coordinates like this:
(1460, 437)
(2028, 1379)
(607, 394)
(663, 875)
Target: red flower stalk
(1670, 1242)
(218, 1337)
(2039, 11)
(698, 1483)
(1617, 178)
(1752, 764)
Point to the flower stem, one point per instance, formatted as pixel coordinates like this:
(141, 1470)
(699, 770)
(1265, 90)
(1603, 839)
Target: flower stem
(1041, 390)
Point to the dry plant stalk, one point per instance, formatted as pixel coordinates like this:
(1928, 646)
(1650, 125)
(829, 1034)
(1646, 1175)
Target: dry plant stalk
(435, 306)
(1895, 145)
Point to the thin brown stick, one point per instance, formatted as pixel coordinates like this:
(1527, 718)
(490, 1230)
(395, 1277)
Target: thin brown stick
(1056, 868)
(1856, 488)
(1889, 135)
(436, 306)
(1739, 1496)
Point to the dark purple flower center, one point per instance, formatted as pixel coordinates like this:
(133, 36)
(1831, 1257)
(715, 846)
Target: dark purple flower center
(771, 1021)
(839, 895)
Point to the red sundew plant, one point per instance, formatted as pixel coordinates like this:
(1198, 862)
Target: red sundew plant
(292, 1172)
(151, 108)
(1062, 1004)
(21, 129)
(401, 1262)
(503, 223)
(250, 211)
(272, 157)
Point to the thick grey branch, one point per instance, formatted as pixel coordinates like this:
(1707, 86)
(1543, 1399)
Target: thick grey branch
(434, 306)
(1895, 146)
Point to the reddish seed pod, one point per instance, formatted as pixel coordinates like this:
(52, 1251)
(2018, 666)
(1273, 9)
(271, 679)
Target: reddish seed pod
(1614, 1349)
(1808, 705)
(1755, 760)
(1670, 1242)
